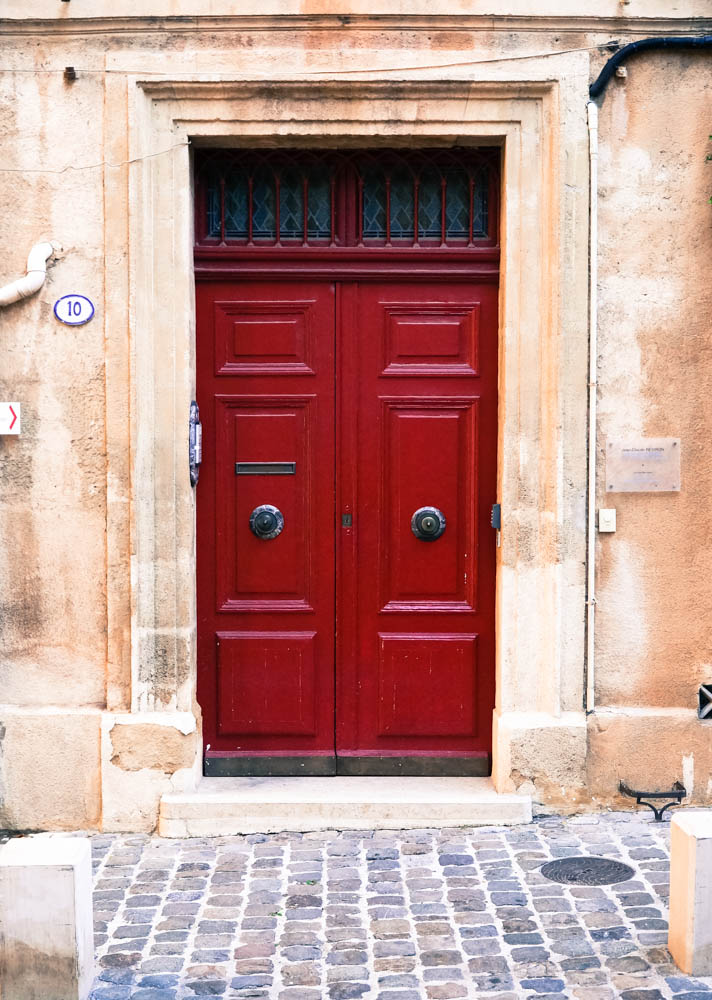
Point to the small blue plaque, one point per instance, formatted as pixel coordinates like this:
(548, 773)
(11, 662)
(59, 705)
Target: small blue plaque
(74, 310)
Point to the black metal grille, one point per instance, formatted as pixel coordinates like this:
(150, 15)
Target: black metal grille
(587, 871)
(436, 197)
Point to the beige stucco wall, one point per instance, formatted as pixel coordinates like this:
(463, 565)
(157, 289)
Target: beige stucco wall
(654, 637)
(96, 559)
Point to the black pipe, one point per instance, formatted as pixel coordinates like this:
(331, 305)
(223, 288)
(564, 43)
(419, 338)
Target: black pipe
(663, 42)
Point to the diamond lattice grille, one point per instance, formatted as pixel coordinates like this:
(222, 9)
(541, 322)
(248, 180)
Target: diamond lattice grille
(438, 197)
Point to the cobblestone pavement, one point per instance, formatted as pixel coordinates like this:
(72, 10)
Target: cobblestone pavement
(396, 915)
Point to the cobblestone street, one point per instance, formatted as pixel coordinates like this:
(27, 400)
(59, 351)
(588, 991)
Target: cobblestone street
(397, 915)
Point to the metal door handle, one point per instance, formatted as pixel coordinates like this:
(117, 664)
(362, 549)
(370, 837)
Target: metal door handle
(195, 443)
(428, 523)
(266, 521)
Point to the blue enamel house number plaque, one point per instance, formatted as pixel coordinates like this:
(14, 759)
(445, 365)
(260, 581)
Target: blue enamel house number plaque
(74, 310)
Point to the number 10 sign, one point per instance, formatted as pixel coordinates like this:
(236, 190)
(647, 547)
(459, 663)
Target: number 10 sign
(74, 310)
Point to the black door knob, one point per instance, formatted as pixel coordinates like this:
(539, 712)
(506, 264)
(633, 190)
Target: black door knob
(428, 523)
(266, 521)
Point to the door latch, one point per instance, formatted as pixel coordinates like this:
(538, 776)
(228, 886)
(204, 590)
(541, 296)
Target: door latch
(195, 443)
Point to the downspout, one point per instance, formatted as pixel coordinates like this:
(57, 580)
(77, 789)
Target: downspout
(663, 42)
(31, 282)
(592, 400)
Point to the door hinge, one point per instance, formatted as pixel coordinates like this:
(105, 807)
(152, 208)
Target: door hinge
(496, 520)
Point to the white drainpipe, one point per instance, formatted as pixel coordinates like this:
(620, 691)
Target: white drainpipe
(592, 386)
(31, 282)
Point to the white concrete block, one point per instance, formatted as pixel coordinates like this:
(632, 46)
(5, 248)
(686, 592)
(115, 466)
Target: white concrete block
(690, 935)
(46, 924)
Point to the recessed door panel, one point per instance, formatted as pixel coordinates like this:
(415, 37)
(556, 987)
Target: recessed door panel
(429, 460)
(267, 684)
(434, 339)
(427, 685)
(272, 337)
(257, 573)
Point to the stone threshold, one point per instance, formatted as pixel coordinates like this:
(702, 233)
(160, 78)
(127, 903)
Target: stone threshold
(222, 807)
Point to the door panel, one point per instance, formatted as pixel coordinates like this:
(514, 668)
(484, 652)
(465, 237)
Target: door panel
(261, 338)
(266, 605)
(442, 432)
(427, 670)
(431, 340)
(417, 675)
(267, 683)
(254, 574)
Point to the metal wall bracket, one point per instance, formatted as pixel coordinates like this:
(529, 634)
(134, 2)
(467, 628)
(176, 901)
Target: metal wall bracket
(677, 793)
(704, 702)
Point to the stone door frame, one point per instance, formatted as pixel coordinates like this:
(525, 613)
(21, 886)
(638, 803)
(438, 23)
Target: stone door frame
(536, 112)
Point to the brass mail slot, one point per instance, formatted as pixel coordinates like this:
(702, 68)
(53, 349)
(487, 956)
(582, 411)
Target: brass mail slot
(265, 468)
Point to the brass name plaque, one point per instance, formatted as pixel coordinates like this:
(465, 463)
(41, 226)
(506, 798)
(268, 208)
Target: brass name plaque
(643, 465)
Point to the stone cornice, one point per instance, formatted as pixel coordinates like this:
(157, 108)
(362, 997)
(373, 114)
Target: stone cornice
(352, 90)
(618, 26)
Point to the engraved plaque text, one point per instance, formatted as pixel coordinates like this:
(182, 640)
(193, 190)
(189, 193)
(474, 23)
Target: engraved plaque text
(643, 465)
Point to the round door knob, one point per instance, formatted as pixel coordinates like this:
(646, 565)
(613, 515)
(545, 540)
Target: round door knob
(428, 523)
(266, 521)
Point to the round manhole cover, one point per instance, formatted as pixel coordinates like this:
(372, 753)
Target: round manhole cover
(586, 871)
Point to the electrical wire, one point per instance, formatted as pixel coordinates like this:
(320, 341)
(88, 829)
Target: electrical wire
(91, 166)
(312, 72)
(191, 76)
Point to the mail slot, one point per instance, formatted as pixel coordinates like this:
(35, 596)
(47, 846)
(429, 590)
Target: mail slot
(265, 468)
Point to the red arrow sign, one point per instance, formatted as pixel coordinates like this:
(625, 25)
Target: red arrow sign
(10, 417)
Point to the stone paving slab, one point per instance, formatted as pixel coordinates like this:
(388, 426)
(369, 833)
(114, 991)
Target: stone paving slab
(388, 915)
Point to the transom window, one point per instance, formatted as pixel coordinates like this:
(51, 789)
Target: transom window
(404, 198)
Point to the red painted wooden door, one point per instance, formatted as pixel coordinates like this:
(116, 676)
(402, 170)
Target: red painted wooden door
(266, 605)
(346, 637)
(417, 626)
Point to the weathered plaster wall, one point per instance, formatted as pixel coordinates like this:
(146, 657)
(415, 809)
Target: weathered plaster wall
(75, 654)
(654, 644)
(52, 478)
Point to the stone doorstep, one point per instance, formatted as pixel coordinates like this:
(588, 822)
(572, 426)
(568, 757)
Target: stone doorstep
(227, 806)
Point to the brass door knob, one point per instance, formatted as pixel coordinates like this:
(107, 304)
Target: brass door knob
(266, 521)
(428, 523)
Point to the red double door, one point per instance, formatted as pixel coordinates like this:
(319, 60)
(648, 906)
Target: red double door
(346, 559)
